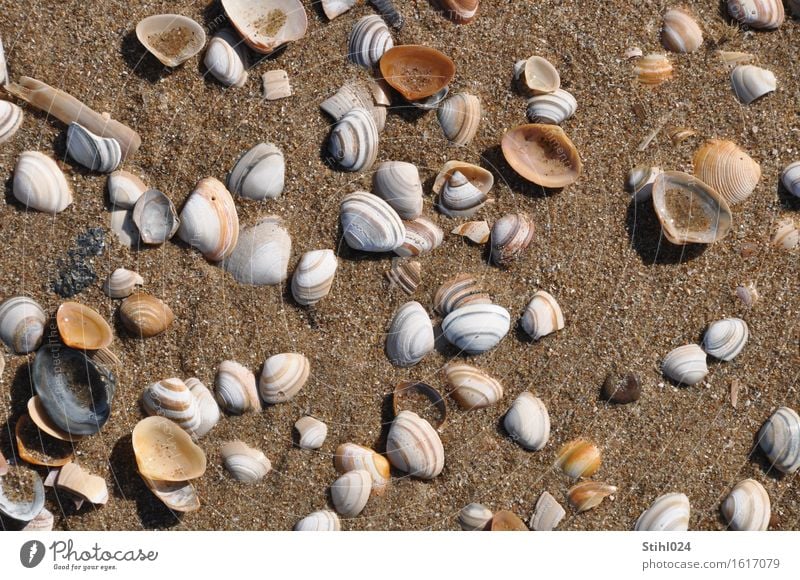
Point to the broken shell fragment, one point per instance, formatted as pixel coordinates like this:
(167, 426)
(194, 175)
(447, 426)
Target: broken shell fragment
(404, 274)
(124, 189)
(587, 495)
(476, 328)
(791, 178)
(261, 256)
(283, 376)
(22, 323)
(236, 388)
(511, 235)
(276, 85)
(543, 316)
(42, 420)
(226, 59)
(21, 494)
(10, 119)
(537, 75)
(786, 235)
(724, 339)
(155, 217)
(165, 452)
(319, 521)
(653, 69)
(685, 365)
(748, 294)
(416, 71)
(259, 173)
(413, 446)
(209, 221)
(747, 507)
(266, 25)
(460, 11)
(244, 463)
(680, 31)
(471, 387)
(422, 236)
(370, 224)
(506, 521)
(459, 117)
(547, 514)
(410, 335)
(42, 523)
(180, 496)
(82, 327)
(350, 456)
(552, 108)
(668, 513)
(171, 398)
(369, 40)
(102, 154)
(727, 169)
(121, 283)
(312, 432)
(476, 232)
(74, 479)
(207, 406)
(639, 182)
(144, 315)
(332, 9)
(40, 184)
(350, 492)
(389, 12)
(750, 83)
(757, 13)
(353, 143)
(313, 277)
(474, 517)
(457, 292)
(171, 38)
(542, 154)
(528, 422)
(579, 458)
(779, 438)
(398, 183)
(358, 95)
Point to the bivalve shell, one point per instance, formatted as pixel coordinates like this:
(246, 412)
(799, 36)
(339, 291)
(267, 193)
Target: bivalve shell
(477, 176)
(421, 236)
(261, 257)
(552, 108)
(124, 189)
(370, 224)
(350, 456)
(82, 327)
(276, 85)
(459, 117)
(750, 82)
(457, 292)
(226, 59)
(171, 38)
(685, 365)
(779, 438)
(21, 494)
(358, 95)
(332, 9)
(319, 521)
(96, 153)
(725, 339)
(144, 315)
(639, 182)
(398, 183)
(155, 217)
(589, 494)
(680, 31)
(410, 335)
(121, 283)
(171, 398)
(266, 25)
(313, 432)
(38, 448)
(42, 523)
(474, 517)
(668, 513)
(413, 446)
(476, 328)
(543, 316)
(786, 235)
(542, 154)
(528, 422)
(350, 492)
(791, 178)
(165, 452)
(478, 232)
(40, 184)
(511, 236)
(283, 376)
(179, 496)
(538, 75)
(547, 514)
(259, 173)
(236, 388)
(313, 277)
(653, 69)
(579, 458)
(405, 274)
(206, 406)
(10, 120)
(244, 463)
(417, 72)
(725, 167)
(22, 323)
(747, 507)
(353, 142)
(506, 521)
(92, 488)
(471, 387)
(369, 40)
(757, 13)
(460, 11)
(209, 221)
(459, 197)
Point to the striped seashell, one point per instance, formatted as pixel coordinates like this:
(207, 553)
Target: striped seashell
(460, 197)
(474, 517)
(410, 335)
(477, 176)
(358, 95)
(511, 236)
(653, 69)
(323, 520)
(27, 507)
(724, 339)
(144, 315)
(680, 31)
(528, 422)
(236, 390)
(22, 323)
(579, 458)
(10, 120)
(589, 494)
(747, 507)
(171, 398)
(370, 224)
(413, 446)
(276, 85)
(261, 256)
(542, 316)
(313, 276)
(155, 217)
(471, 387)
(459, 117)
(685, 365)
(750, 82)
(283, 376)
(757, 13)
(404, 274)
(779, 438)
(40, 184)
(547, 514)
(791, 178)
(350, 492)
(398, 183)
(387, 9)
(786, 235)
(350, 456)
(552, 108)
(121, 283)
(76, 480)
(353, 142)
(102, 154)
(171, 38)
(537, 76)
(476, 328)
(639, 182)
(457, 292)
(226, 58)
(312, 432)
(668, 513)
(165, 452)
(124, 189)
(369, 39)
(206, 405)
(209, 221)
(267, 25)
(332, 9)
(244, 463)
(421, 236)
(259, 173)
(460, 11)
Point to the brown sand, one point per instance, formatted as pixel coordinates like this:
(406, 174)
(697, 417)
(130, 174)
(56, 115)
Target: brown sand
(627, 295)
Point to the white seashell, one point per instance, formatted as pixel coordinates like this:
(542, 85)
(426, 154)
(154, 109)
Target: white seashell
(22, 323)
(370, 224)
(155, 217)
(791, 178)
(751, 82)
(350, 492)
(460, 197)
(527, 422)
(40, 184)
(206, 405)
(124, 228)
(547, 514)
(353, 143)
(3, 67)
(690, 212)
(320, 521)
(477, 175)
(537, 75)
(474, 517)
(757, 13)
(639, 182)
(259, 173)
(457, 292)
(680, 31)
(261, 257)
(779, 438)
(171, 38)
(553, 108)
(786, 236)
(10, 119)
(121, 283)
(101, 154)
(236, 388)
(543, 316)
(357, 95)
(422, 236)
(244, 463)
(511, 235)
(476, 328)
(369, 39)
(405, 274)
(725, 339)
(209, 221)
(398, 183)
(332, 9)
(459, 117)
(414, 446)
(312, 432)
(471, 387)
(410, 335)
(747, 507)
(124, 189)
(283, 376)
(266, 25)
(171, 398)
(226, 58)
(748, 294)
(276, 85)
(668, 513)
(313, 276)
(350, 456)
(685, 365)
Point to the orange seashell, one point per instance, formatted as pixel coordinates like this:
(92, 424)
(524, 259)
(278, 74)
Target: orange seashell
(82, 328)
(506, 521)
(542, 154)
(415, 71)
(460, 11)
(585, 496)
(579, 458)
(727, 169)
(38, 448)
(653, 69)
(145, 316)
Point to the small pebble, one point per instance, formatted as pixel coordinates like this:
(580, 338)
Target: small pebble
(622, 389)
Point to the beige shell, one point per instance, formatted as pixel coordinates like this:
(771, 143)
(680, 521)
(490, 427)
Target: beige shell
(22, 323)
(73, 478)
(206, 405)
(725, 167)
(244, 463)
(748, 294)
(266, 25)
(398, 183)
(235, 388)
(179, 496)
(731, 59)
(350, 456)
(668, 513)
(747, 507)
(42, 420)
(353, 142)
(405, 274)
(259, 173)
(410, 335)
(171, 38)
(319, 521)
(155, 217)
(312, 432)
(144, 315)
(10, 119)
(459, 291)
(40, 184)
(421, 236)
(639, 182)
(528, 422)
(102, 154)
(537, 75)
(471, 387)
(368, 40)
(680, 31)
(542, 154)
(790, 177)
(313, 277)
(459, 117)
(283, 376)
(477, 176)
(350, 492)
(757, 13)
(261, 256)
(511, 235)
(121, 283)
(589, 494)
(543, 316)
(171, 398)
(653, 69)
(750, 83)
(165, 452)
(477, 232)
(370, 224)
(124, 189)
(507, 521)
(460, 197)
(209, 221)
(332, 9)
(413, 446)
(276, 85)
(474, 517)
(579, 458)
(547, 514)
(685, 364)
(3, 66)
(779, 438)
(786, 235)
(226, 58)
(476, 328)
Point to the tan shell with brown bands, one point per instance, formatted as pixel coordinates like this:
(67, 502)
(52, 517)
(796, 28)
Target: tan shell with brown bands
(727, 169)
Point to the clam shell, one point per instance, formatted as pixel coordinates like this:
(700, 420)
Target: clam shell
(144, 315)
(750, 83)
(259, 173)
(123, 227)
(727, 169)
(42, 523)
(589, 494)
(757, 13)
(313, 277)
(323, 520)
(350, 492)
(477, 176)
(786, 236)
(369, 40)
(477, 232)
(511, 235)
(460, 197)
(226, 59)
(538, 75)
(621, 388)
(22, 323)
(209, 221)
(236, 388)
(680, 31)
(552, 108)
(10, 120)
(421, 236)
(21, 510)
(155, 217)
(398, 183)
(471, 387)
(171, 38)
(542, 154)
(639, 182)
(266, 25)
(748, 294)
(73, 478)
(725, 339)
(244, 463)
(418, 396)
(543, 316)
(417, 72)
(261, 257)
(476, 328)
(528, 422)
(82, 328)
(506, 521)
(353, 143)
(42, 420)
(413, 446)
(547, 514)
(171, 398)
(370, 224)
(747, 507)
(653, 69)
(404, 274)
(312, 432)
(459, 117)
(791, 178)
(124, 189)
(332, 9)
(474, 517)
(685, 365)
(121, 283)
(207, 407)
(179, 496)
(410, 335)
(357, 95)
(38, 448)
(668, 513)
(350, 456)
(460, 11)
(579, 458)
(779, 438)
(165, 452)
(40, 184)
(276, 85)
(283, 376)
(457, 292)
(102, 154)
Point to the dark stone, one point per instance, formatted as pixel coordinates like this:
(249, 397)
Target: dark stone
(76, 271)
(621, 389)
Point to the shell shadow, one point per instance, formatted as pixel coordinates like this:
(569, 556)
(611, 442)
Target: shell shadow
(387, 416)
(442, 345)
(140, 61)
(214, 18)
(9, 195)
(644, 231)
(406, 111)
(758, 458)
(788, 201)
(20, 391)
(493, 160)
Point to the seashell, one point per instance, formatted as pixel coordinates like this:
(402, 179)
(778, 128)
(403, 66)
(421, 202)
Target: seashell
(259, 173)
(10, 119)
(757, 13)
(779, 438)
(415, 395)
(3, 67)
(668, 513)
(276, 85)
(732, 59)
(750, 83)
(552, 108)
(639, 182)
(121, 283)
(421, 236)
(477, 176)
(511, 236)
(123, 227)
(542, 154)
(410, 335)
(528, 422)
(357, 95)
(457, 292)
(3, 464)
(537, 75)
(398, 183)
(313, 276)
(207, 407)
(165, 452)
(323, 520)
(460, 11)
(543, 316)
(353, 143)
(459, 197)
(579, 458)
(547, 514)
(690, 211)
(589, 494)
(283, 376)
(22, 323)
(350, 492)
(21, 494)
(101, 154)
(621, 389)
(312, 432)
(236, 388)
(416, 71)
(82, 328)
(506, 521)
(685, 365)
(349, 457)
(727, 169)
(171, 38)
(179, 496)
(262, 255)
(786, 236)
(92, 488)
(42, 420)
(747, 507)
(680, 31)
(74, 391)
(370, 224)
(474, 517)
(405, 274)
(748, 294)
(653, 69)
(724, 339)
(459, 117)
(244, 463)
(332, 9)
(368, 41)
(226, 59)
(209, 221)
(476, 232)
(40, 184)
(38, 448)
(471, 387)
(476, 328)
(387, 9)
(171, 398)
(414, 446)
(144, 315)
(790, 177)
(155, 217)
(42, 523)
(124, 189)
(266, 25)
(680, 134)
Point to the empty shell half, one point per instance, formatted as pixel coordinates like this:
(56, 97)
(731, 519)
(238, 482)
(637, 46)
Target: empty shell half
(757, 13)
(96, 153)
(155, 217)
(350, 492)
(686, 365)
(259, 173)
(244, 463)
(459, 197)
(653, 69)
(313, 276)
(528, 422)
(82, 327)
(474, 517)
(477, 232)
(312, 432)
(370, 224)
(40, 184)
(10, 120)
(165, 452)
(724, 339)
(552, 108)
(537, 75)
(459, 117)
(417, 72)
(171, 38)
(779, 438)
(353, 142)
(22, 323)
(542, 154)
(478, 176)
(332, 9)
(476, 328)
(547, 514)
(668, 513)
(319, 521)
(460, 11)
(727, 169)
(261, 256)
(350, 456)
(21, 494)
(236, 388)
(283, 376)
(579, 458)
(266, 25)
(639, 182)
(410, 335)
(73, 478)
(369, 39)
(471, 387)
(542, 316)
(589, 494)
(226, 58)
(680, 31)
(124, 189)
(209, 221)
(121, 283)
(413, 446)
(747, 507)
(398, 183)
(750, 82)
(144, 315)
